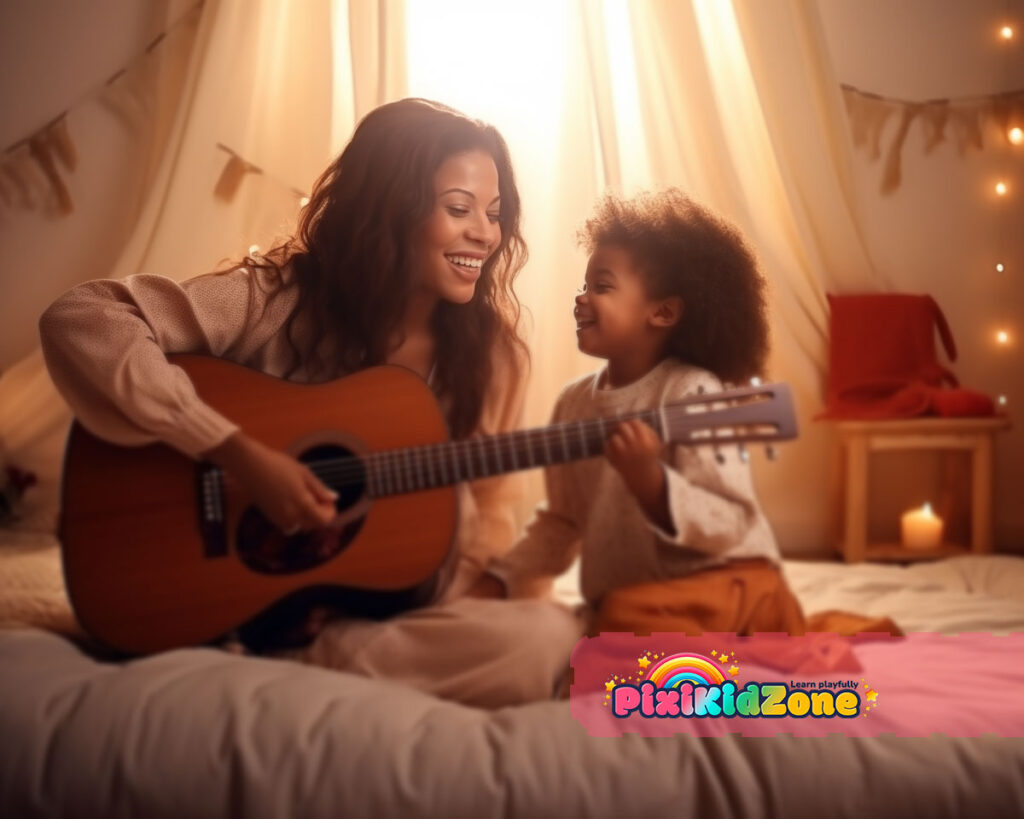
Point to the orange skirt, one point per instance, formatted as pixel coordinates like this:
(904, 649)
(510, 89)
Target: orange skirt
(741, 597)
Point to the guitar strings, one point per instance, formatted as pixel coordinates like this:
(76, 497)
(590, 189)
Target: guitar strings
(409, 467)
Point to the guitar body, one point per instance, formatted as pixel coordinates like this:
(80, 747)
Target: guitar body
(146, 571)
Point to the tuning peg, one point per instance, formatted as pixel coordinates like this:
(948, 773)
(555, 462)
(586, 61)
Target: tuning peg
(744, 455)
(769, 450)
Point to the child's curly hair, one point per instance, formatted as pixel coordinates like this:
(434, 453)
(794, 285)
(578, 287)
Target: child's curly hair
(684, 249)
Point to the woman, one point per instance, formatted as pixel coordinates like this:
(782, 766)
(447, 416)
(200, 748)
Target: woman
(405, 254)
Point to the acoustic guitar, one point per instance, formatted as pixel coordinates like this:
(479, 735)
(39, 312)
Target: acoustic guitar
(161, 551)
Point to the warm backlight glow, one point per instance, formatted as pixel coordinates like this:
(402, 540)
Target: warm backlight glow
(1006, 32)
(504, 63)
(999, 267)
(1001, 188)
(1001, 400)
(1003, 337)
(1016, 135)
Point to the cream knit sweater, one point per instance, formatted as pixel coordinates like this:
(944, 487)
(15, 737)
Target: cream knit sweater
(590, 512)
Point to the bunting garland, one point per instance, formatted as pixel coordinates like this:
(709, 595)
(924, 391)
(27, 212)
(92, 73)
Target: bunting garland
(961, 119)
(235, 170)
(31, 175)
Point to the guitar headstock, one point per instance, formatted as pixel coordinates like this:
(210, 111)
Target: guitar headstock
(763, 412)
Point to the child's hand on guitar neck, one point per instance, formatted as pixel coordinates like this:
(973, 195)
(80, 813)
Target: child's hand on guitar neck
(633, 449)
(286, 490)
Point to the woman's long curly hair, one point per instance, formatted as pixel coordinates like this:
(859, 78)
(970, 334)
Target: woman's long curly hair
(354, 256)
(683, 249)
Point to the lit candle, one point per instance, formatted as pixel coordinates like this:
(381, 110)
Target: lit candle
(921, 528)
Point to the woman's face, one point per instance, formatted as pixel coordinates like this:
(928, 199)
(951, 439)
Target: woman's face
(462, 230)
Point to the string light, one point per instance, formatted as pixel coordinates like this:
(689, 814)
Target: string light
(254, 250)
(1015, 136)
(303, 201)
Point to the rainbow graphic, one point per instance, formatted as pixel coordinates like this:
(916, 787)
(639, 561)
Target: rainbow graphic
(676, 669)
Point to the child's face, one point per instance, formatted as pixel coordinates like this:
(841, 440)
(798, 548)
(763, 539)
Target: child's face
(462, 231)
(613, 312)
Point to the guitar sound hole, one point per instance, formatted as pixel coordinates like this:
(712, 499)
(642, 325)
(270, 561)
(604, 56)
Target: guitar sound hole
(265, 549)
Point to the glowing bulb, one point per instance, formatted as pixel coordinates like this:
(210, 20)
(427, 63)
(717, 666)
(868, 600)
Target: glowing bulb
(1003, 337)
(755, 381)
(1001, 400)
(1016, 135)
(1001, 188)
(999, 267)
(303, 201)
(254, 249)
(1006, 32)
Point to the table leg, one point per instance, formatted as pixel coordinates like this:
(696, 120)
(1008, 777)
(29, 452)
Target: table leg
(981, 495)
(855, 539)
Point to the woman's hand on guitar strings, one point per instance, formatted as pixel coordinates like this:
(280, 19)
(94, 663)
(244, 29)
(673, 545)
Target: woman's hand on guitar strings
(286, 490)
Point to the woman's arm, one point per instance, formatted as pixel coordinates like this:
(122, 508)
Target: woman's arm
(105, 344)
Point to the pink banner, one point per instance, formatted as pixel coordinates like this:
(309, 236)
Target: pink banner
(962, 685)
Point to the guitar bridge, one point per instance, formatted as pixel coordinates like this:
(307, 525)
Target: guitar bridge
(210, 508)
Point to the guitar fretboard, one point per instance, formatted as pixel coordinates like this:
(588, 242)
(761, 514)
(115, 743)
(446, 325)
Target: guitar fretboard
(434, 465)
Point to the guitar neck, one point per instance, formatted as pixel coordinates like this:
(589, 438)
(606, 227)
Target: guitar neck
(730, 417)
(427, 467)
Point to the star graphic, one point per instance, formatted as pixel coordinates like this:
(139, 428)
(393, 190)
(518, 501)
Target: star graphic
(872, 695)
(609, 686)
(734, 671)
(644, 662)
(714, 653)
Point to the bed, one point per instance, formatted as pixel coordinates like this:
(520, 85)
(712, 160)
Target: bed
(206, 733)
(203, 732)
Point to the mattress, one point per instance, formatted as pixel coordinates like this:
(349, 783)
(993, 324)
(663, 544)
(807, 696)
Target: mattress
(201, 732)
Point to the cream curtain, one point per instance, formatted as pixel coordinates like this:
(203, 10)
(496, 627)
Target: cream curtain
(741, 107)
(732, 100)
(273, 92)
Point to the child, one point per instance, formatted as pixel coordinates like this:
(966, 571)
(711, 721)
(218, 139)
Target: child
(670, 537)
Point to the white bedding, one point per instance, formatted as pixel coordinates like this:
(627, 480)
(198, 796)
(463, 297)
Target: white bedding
(200, 732)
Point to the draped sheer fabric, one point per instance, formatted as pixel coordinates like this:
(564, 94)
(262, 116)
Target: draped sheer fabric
(735, 102)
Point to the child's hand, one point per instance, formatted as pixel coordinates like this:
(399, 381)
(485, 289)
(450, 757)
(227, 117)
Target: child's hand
(633, 450)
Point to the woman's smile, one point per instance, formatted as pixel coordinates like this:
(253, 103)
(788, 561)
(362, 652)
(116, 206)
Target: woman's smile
(467, 267)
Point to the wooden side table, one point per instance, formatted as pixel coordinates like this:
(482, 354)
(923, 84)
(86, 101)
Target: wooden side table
(858, 439)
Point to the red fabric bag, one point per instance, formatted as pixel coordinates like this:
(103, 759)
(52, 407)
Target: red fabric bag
(883, 361)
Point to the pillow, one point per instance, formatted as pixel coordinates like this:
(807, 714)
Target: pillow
(34, 423)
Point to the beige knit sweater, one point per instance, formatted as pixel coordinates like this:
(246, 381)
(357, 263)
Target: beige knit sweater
(105, 343)
(590, 512)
